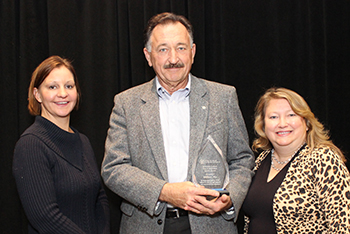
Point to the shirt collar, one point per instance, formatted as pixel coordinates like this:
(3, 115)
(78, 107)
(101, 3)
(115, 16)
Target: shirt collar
(162, 92)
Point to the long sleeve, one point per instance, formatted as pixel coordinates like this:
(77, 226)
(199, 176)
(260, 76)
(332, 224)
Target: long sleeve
(333, 186)
(35, 184)
(102, 212)
(314, 195)
(58, 181)
(135, 165)
(128, 167)
(239, 155)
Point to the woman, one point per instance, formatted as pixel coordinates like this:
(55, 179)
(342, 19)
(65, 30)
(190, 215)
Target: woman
(54, 165)
(301, 183)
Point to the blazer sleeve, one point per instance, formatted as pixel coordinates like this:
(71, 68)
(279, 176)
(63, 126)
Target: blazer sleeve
(35, 185)
(133, 184)
(240, 158)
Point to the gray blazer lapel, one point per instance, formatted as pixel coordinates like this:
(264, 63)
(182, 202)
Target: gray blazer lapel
(198, 119)
(151, 124)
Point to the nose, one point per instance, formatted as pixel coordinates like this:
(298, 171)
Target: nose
(283, 122)
(62, 92)
(173, 57)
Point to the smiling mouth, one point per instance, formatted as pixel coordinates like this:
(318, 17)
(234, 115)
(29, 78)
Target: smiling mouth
(62, 103)
(283, 133)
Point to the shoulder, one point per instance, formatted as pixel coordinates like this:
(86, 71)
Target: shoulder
(214, 91)
(322, 154)
(212, 86)
(85, 142)
(82, 136)
(137, 95)
(31, 136)
(28, 140)
(260, 159)
(30, 150)
(137, 90)
(325, 162)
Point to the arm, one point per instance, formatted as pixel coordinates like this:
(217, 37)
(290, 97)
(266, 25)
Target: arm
(240, 158)
(333, 183)
(103, 212)
(32, 171)
(102, 205)
(129, 168)
(225, 124)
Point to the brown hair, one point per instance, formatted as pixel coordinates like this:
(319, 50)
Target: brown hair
(316, 135)
(40, 74)
(165, 18)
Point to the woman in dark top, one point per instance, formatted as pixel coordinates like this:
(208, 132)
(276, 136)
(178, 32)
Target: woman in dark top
(54, 165)
(301, 183)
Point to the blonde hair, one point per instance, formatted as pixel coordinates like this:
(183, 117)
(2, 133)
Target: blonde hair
(316, 135)
(40, 74)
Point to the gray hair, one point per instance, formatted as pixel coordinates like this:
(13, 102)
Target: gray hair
(165, 18)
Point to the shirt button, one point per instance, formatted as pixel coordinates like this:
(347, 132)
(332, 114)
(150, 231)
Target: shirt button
(160, 222)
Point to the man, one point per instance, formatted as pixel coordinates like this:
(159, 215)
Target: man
(157, 130)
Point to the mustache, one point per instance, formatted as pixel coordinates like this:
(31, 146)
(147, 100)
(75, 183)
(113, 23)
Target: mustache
(174, 65)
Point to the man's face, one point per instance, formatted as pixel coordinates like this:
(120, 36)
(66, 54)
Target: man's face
(171, 55)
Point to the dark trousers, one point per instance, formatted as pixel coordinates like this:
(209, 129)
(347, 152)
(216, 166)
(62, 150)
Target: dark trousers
(179, 225)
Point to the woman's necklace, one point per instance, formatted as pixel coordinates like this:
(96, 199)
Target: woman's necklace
(282, 162)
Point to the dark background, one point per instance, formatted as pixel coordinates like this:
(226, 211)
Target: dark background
(253, 45)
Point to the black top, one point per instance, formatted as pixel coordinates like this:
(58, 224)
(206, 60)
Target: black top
(58, 181)
(259, 200)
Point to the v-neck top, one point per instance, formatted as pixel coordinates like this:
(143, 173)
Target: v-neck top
(259, 200)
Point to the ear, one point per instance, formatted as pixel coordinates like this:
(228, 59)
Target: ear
(193, 52)
(37, 95)
(307, 124)
(147, 56)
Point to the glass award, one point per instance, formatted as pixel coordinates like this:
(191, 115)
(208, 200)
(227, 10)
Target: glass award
(210, 168)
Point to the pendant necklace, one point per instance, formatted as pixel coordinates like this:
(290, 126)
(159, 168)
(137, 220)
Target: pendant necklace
(282, 162)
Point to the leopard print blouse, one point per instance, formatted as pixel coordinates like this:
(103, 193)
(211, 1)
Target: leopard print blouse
(314, 196)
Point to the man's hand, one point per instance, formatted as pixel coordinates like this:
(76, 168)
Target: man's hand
(187, 196)
(218, 204)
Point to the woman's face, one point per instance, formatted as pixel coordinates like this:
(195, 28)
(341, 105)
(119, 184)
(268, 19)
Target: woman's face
(57, 94)
(285, 129)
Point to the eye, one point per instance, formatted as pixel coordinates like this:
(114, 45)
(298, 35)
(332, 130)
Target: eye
(182, 48)
(273, 117)
(162, 50)
(52, 87)
(292, 114)
(69, 86)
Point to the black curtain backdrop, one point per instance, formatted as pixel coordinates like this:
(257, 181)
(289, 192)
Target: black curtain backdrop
(253, 45)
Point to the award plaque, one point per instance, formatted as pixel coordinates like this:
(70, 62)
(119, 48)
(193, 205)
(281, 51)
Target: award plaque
(210, 168)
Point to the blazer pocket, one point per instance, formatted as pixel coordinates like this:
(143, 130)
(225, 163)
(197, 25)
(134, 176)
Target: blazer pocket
(127, 208)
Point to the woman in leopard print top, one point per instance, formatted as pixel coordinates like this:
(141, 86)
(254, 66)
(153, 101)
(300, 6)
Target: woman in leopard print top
(301, 183)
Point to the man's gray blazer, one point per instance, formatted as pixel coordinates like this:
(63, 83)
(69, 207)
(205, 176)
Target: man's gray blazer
(134, 165)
